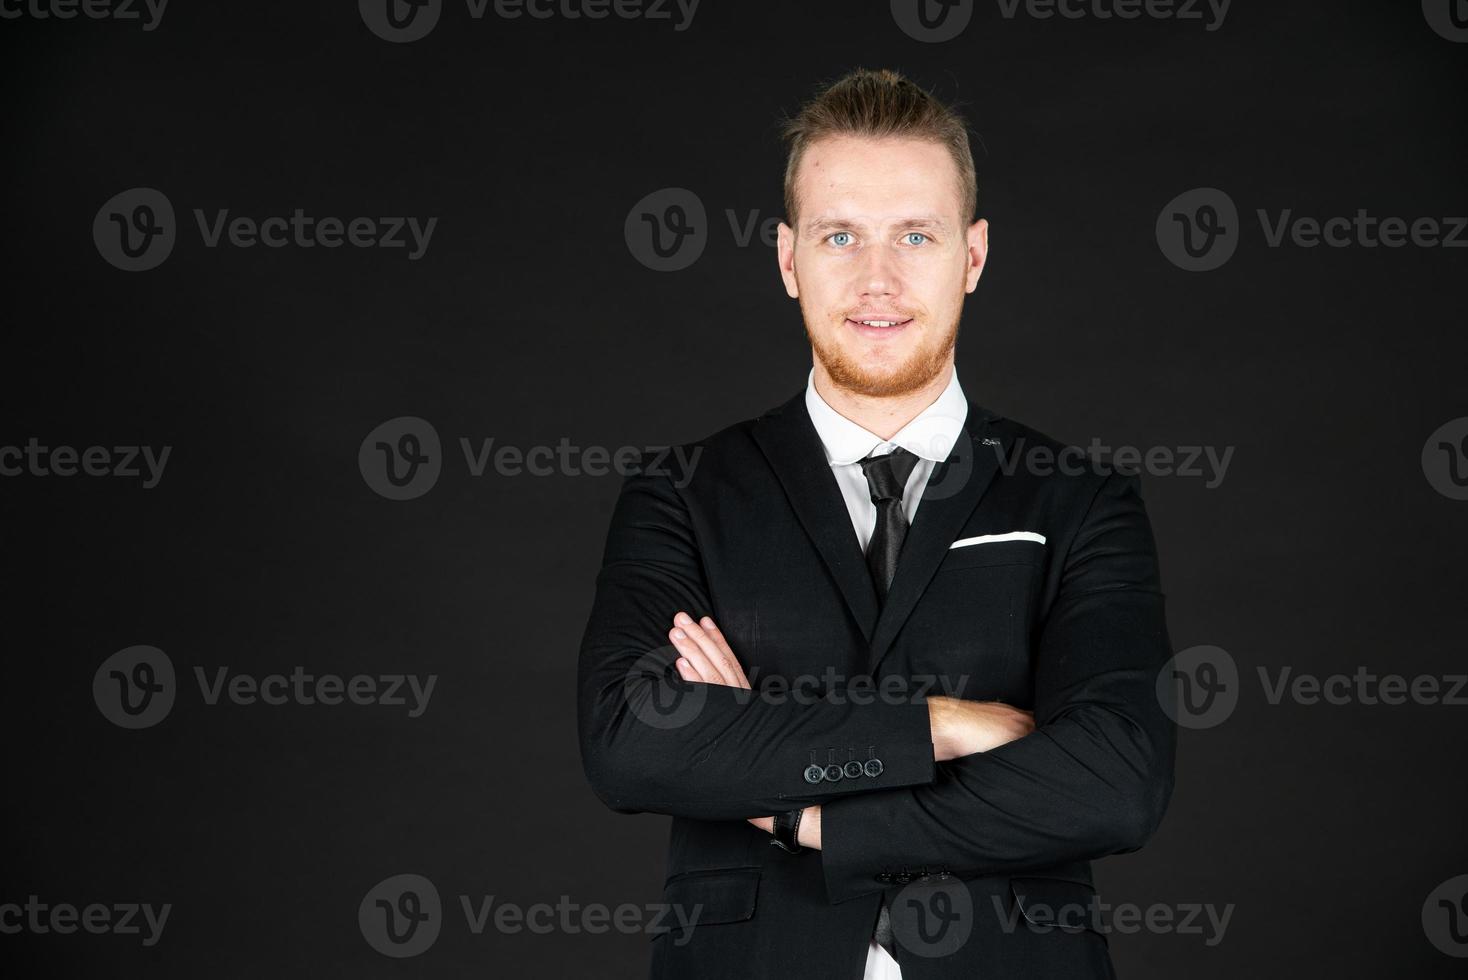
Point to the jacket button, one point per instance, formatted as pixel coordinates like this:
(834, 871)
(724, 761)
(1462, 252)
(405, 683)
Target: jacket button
(834, 773)
(814, 774)
(873, 768)
(884, 877)
(853, 770)
(904, 878)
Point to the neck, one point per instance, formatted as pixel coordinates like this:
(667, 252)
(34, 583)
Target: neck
(881, 416)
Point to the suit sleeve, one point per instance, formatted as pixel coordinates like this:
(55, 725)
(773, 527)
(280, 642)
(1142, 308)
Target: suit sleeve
(1094, 777)
(652, 742)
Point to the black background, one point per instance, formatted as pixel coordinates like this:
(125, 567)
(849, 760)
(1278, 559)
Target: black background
(529, 320)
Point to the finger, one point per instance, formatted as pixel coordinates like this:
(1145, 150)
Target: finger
(730, 661)
(711, 651)
(693, 654)
(767, 824)
(686, 671)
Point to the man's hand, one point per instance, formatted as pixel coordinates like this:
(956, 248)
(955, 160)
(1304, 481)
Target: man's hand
(703, 653)
(964, 727)
(808, 834)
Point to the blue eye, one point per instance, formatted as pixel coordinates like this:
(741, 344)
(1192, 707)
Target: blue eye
(915, 238)
(841, 239)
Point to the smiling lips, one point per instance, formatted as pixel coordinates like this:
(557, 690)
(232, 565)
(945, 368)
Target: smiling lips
(879, 323)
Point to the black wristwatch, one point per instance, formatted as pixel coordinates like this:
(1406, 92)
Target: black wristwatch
(787, 831)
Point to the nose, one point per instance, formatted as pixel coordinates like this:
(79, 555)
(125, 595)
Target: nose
(880, 277)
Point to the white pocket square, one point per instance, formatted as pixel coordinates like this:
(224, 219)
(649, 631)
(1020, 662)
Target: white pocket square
(996, 538)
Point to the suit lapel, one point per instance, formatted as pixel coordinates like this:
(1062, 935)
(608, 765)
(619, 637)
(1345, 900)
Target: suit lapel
(952, 493)
(790, 443)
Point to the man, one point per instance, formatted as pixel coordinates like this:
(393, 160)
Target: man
(953, 659)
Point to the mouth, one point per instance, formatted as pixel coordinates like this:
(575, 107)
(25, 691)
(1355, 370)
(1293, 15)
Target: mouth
(878, 325)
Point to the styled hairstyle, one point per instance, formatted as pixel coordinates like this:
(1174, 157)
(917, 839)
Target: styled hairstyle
(879, 104)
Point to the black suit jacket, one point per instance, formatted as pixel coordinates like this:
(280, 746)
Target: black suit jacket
(984, 860)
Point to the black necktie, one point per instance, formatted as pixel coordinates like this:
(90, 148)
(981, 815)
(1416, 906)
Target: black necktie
(886, 477)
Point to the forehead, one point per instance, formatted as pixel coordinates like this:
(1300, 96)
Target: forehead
(855, 176)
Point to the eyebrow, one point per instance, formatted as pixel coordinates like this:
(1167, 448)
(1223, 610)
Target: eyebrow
(826, 226)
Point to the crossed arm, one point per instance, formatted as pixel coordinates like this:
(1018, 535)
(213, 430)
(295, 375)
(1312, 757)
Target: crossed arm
(967, 787)
(959, 727)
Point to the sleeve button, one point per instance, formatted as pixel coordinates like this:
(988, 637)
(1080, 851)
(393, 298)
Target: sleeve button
(814, 774)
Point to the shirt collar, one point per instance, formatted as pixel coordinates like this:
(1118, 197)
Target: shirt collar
(930, 435)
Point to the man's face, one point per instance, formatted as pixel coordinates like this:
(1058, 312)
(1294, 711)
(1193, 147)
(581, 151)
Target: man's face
(880, 260)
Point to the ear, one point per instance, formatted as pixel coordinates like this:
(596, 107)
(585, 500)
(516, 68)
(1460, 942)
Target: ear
(978, 252)
(785, 251)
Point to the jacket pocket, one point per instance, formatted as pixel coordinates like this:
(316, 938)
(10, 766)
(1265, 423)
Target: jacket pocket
(706, 898)
(1057, 903)
(993, 553)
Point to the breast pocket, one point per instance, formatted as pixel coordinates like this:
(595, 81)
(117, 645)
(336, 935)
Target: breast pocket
(974, 622)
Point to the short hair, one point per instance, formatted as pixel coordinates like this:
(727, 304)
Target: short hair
(879, 104)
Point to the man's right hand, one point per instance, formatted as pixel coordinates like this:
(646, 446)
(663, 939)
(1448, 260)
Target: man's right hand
(962, 728)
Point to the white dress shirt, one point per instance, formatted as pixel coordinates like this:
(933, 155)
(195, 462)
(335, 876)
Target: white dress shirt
(930, 437)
